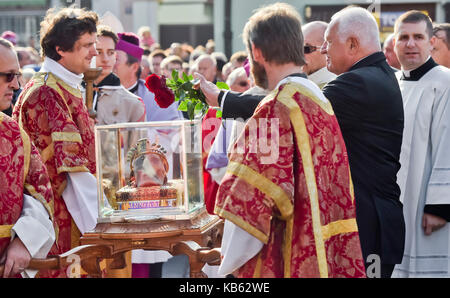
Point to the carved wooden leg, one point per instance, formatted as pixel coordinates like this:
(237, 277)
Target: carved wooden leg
(198, 256)
(92, 267)
(120, 266)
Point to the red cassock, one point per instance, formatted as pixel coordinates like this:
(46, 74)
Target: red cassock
(21, 171)
(296, 198)
(57, 121)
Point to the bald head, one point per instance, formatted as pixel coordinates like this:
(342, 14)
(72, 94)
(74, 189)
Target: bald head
(388, 49)
(389, 41)
(9, 64)
(315, 31)
(313, 34)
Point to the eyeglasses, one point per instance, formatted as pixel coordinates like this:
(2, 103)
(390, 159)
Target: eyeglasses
(243, 84)
(310, 49)
(10, 75)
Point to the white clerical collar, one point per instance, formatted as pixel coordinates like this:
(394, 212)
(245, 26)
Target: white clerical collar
(407, 73)
(70, 78)
(134, 86)
(321, 76)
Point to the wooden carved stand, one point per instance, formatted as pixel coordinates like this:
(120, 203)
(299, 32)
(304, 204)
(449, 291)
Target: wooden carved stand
(195, 238)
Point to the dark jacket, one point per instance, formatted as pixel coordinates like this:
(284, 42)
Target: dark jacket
(368, 104)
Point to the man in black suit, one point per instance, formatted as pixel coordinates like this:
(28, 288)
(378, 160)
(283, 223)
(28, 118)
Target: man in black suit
(368, 105)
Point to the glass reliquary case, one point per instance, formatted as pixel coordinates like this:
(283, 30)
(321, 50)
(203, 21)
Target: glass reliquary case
(149, 170)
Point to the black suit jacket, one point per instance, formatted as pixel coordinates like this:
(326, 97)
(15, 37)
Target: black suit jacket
(368, 104)
(238, 105)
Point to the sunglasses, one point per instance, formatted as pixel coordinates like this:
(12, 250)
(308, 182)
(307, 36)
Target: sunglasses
(243, 84)
(310, 49)
(10, 76)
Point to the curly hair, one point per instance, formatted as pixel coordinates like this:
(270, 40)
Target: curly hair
(63, 28)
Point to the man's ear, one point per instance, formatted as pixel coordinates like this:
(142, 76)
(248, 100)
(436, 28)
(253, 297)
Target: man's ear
(59, 51)
(136, 66)
(257, 54)
(353, 45)
(433, 41)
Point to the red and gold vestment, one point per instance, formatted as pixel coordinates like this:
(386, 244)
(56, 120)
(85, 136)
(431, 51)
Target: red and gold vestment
(57, 121)
(21, 171)
(301, 203)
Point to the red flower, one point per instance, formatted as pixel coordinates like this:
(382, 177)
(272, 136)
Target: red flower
(164, 96)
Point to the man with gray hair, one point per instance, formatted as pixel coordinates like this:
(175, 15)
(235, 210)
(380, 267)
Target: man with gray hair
(368, 105)
(238, 80)
(206, 66)
(441, 44)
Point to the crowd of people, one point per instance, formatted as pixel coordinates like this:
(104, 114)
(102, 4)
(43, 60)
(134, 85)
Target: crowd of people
(358, 187)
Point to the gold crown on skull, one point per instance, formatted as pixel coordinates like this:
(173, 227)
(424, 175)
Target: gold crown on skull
(144, 146)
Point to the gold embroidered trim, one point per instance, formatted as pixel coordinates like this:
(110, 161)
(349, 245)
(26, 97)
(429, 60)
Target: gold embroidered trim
(26, 153)
(40, 198)
(339, 227)
(287, 247)
(61, 188)
(47, 78)
(352, 192)
(47, 153)
(72, 169)
(52, 81)
(257, 273)
(75, 234)
(326, 106)
(263, 184)
(5, 231)
(298, 122)
(242, 224)
(66, 137)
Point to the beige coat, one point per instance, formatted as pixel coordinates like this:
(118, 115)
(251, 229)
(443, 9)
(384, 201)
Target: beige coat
(118, 105)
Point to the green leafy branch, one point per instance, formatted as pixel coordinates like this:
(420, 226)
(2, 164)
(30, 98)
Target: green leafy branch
(192, 101)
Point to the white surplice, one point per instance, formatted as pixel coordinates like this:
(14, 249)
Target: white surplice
(35, 229)
(322, 77)
(424, 177)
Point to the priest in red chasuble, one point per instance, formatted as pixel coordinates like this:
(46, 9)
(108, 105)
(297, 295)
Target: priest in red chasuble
(52, 111)
(26, 201)
(287, 197)
(26, 198)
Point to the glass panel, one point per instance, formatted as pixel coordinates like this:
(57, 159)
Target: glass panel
(149, 170)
